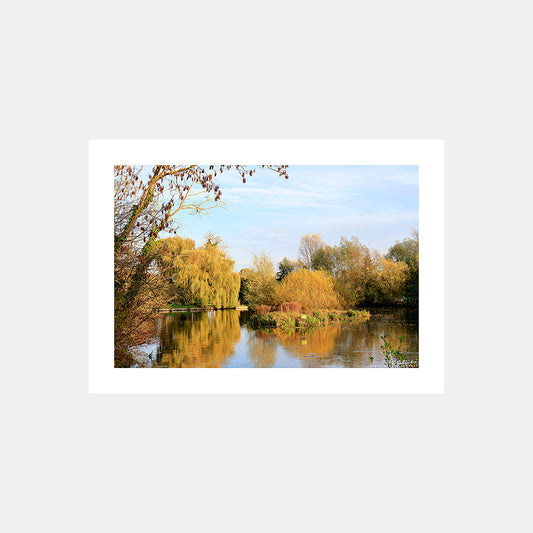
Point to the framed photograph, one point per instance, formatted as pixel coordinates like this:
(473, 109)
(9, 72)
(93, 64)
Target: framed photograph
(268, 266)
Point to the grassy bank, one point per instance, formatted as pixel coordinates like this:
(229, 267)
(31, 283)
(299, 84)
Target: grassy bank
(288, 321)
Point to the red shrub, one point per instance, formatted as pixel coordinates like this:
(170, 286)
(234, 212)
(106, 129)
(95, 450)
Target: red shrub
(291, 307)
(262, 309)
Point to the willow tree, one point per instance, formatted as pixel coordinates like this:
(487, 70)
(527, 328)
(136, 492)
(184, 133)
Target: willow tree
(170, 256)
(148, 201)
(199, 276)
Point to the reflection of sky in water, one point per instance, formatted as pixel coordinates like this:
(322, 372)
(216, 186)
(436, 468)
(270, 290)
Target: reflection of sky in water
(222, 339)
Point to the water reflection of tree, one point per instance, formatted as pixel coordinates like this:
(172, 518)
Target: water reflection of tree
(355, 345)
(201, 340)
(262, 345)
(346, 345)
(262, 349)
(207, 339)
(320, 342)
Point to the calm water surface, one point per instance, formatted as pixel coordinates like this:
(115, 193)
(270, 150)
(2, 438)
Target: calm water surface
(222, 339)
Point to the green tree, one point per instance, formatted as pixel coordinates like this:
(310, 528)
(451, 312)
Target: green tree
(245, 274)
(407, 252)
(324, 259)
(285, 267)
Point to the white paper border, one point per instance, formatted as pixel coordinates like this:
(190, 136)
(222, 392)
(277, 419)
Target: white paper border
(427, 154)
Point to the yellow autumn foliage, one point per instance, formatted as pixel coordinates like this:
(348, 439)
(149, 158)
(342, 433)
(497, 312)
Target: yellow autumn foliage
(314, 289)
(199, 276)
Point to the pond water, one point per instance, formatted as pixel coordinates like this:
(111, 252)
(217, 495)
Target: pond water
(214, 339)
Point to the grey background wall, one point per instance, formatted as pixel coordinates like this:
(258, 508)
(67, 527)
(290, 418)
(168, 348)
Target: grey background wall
(388, 70)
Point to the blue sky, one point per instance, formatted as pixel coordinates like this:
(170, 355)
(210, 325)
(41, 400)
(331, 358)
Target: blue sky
(378, 204)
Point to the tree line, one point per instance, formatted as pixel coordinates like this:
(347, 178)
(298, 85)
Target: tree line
(345, 275)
